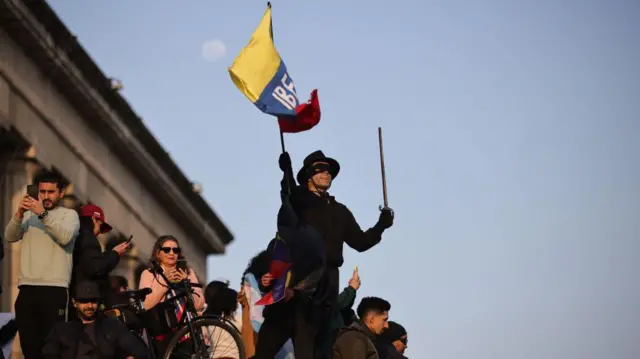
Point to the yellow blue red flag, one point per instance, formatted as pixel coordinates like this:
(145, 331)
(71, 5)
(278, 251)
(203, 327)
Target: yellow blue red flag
(261, 75)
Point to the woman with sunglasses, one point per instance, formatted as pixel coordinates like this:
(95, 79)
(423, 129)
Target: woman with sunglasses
(168, 254)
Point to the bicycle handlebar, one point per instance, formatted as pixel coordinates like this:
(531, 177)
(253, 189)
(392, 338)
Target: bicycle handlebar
(156, 268)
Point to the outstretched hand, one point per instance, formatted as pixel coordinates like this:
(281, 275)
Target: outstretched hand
(354, 282)
(386, 217)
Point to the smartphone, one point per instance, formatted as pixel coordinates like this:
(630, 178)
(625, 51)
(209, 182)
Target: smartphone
(129, 239)
(182, 264)
(32, 191)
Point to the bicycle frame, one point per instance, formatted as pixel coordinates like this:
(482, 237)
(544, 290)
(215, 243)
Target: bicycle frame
(191, 314)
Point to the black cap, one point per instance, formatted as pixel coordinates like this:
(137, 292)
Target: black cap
(393, 333)
(87, 291)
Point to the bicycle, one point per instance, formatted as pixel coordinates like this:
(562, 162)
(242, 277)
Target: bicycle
(162, 320)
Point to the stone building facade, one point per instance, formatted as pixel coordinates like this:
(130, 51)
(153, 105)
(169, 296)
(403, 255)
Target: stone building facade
(59, 111)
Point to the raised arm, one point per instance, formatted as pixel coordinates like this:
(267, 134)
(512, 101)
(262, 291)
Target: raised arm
(14, 230)
(358, 239)
(65, 229)
(18, 224)
(93, 262)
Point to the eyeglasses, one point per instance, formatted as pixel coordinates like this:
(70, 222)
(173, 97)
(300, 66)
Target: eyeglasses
(166, 250)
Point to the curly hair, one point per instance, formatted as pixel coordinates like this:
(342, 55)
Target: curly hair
(221, 300)
(258, 265)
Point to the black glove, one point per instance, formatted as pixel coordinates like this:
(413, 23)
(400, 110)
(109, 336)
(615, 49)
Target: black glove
(284, 161)
(386, 218)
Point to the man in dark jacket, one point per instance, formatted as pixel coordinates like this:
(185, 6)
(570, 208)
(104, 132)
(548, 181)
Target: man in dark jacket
(93, 336)
(392, 343)
(356, 341)
(89, 262)
(299, 318)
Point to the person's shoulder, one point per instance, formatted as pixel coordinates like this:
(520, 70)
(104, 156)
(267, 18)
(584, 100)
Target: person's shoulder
(67, 212)
(350, 333)
(146, 272)
(112, 323)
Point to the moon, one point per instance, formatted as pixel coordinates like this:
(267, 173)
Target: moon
(213, 50)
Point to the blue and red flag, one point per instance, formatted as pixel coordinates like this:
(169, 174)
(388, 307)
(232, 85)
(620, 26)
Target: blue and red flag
(261, 75)
(297, 256)
(280, 269)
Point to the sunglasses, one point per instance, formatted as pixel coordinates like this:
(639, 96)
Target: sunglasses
(403, 340)
(166, 250)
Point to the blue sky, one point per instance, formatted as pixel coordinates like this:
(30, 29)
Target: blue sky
(511, 137)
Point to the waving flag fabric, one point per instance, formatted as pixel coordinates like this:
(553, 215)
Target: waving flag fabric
(261, 75)
(252, 289)
(280, 270)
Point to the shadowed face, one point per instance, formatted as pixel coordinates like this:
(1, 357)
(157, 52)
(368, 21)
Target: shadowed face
(86, 308)
(401, 344)
(321, 178)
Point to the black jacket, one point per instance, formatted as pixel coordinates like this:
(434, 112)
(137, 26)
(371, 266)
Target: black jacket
(113, 339)
(335, 222)
(90, 263)
(387, 351)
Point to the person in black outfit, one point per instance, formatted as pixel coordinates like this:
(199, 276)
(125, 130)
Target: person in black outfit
(94, 336)
(393, 342)
(298, 318)
(89, 262)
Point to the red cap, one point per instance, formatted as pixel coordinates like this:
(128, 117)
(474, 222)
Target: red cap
(91, 210)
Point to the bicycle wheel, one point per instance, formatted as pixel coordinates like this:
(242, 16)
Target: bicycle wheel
(216, 338)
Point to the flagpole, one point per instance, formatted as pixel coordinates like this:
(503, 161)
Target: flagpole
(384, 177)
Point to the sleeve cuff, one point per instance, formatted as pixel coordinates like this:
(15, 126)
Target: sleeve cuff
(15, 221)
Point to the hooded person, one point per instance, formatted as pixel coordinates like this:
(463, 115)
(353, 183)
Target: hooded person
(334, 226)
(393, 342)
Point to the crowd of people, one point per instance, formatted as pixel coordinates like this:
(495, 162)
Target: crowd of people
(66, 284)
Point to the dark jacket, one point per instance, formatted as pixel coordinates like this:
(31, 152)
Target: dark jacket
(355, 342)
(113, 339)
(335, 222)
(387, 351)
(346, 298)
(90, 263)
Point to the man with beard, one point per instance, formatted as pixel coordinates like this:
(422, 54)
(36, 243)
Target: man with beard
(299, 318)
(47, 233)
(357, 340)
(93, 337)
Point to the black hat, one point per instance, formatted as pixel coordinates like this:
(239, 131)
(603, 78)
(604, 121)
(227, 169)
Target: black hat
(87, 291)
(393, 333)
(317, 156)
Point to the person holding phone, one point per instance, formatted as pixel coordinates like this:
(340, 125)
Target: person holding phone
(168, 254)
(47, 233)
(89, 262)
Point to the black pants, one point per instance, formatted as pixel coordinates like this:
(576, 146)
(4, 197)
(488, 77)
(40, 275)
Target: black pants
(294, 321)
(38, 309)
